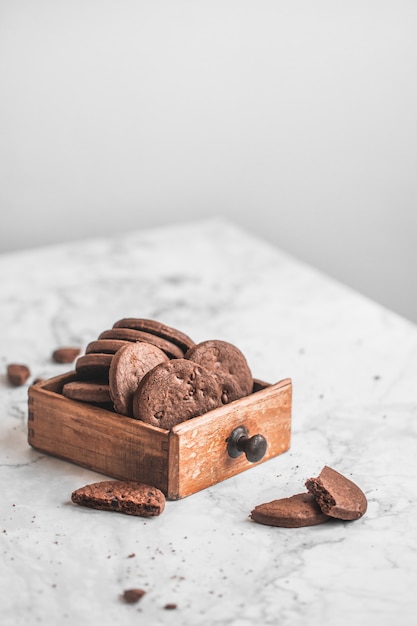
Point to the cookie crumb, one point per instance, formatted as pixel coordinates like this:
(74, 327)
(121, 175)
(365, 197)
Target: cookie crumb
(170, 606)
(131, 596)
(66, 354)
(17, 374)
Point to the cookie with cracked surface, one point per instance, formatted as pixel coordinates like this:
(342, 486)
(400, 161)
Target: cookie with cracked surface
(174, 392)
(337, 495)
(129, 497)
(293, 512)
(223, 359)
(129, 334)
(129, 365)
(154, 327)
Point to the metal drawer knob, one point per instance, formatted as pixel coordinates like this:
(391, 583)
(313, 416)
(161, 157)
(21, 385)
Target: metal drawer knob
(239, 441)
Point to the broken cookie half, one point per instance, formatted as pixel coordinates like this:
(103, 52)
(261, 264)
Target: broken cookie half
(330, 495)
(336, 495)
(129, 497)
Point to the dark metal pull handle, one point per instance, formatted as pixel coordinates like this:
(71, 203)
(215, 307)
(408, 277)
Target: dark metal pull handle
(239, 441)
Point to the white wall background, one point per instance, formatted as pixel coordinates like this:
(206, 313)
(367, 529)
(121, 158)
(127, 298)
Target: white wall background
(297, 119)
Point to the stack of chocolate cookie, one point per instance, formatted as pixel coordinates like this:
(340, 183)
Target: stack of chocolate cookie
(155, 373)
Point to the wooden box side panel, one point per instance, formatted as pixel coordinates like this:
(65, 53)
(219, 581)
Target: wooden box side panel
(201, 444)
(98, 439)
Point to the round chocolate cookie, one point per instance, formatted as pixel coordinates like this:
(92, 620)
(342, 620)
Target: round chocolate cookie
(223, 358)
(174, 392)
(87, 391)
(129, 365)
(174, 335)
(129, 334)
(93, 366)
(105, 346)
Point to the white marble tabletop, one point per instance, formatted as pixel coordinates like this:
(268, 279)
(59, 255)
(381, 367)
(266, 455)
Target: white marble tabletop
(354, 370)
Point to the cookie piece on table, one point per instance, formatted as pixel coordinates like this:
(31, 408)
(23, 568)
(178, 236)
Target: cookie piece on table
(174, 392)
(129, 365)
(129, 334)
(223, 358)
(105, 346)
(131, 596)
(336, 495)
(154, 327)
(129, 497)
(293, 512)
(65, 354)
(17, 374)
(87, 391)
(94, 366)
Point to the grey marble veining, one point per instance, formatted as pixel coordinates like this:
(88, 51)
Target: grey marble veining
(354, 371)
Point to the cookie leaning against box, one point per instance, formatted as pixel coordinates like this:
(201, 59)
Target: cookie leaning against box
(226, 361)
(174, 392)
(129, 365)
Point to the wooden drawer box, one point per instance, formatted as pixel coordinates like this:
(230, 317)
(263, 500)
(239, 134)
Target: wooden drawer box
(192, 456)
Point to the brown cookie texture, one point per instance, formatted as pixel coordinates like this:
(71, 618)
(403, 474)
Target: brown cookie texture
(129, 365)
(174, 392)
(87, 391)
(105, 346)
(17, 374)
(129, 497)
(129, 334)
(154, 327)
(65, 354)
(336, 495)
(223, 358)
(231, 389)
(293, 512)
(93, 366)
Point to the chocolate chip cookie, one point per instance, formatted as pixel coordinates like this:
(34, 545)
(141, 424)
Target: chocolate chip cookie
(223, 359)
(174, 392)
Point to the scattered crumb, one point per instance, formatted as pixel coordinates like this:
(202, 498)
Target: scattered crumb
(17, 374)
(130, 596)
(131, 556)
(65, 354)
(170, 606)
